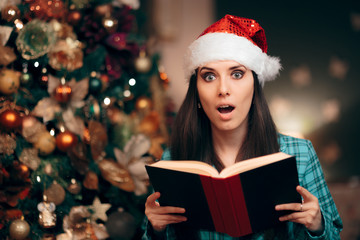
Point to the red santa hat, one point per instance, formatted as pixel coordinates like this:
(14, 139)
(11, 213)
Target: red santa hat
(233, 38)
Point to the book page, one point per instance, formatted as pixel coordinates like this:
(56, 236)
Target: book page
(188, 166)
(253, 163)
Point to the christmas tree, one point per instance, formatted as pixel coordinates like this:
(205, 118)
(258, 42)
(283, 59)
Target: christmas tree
(82, 110)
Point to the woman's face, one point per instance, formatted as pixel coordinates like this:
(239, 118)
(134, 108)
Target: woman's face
(226, 90)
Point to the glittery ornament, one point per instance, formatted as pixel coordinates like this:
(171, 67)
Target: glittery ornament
(55, 193)
(9, 81)
(35, 39)
(45, 143)
(66, 54)
(99, 210)
(7, 55)
(7, 144)
(29, 157)
(74, 186)
(10, 13)
(47, 217)
(19, 229)
(143, 63)
(62, 93)
(65, 140)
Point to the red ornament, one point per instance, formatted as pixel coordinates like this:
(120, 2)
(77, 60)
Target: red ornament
(62, 93)
(65, 140)
(10, 119)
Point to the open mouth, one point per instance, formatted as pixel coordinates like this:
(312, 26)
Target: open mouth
(225, 109)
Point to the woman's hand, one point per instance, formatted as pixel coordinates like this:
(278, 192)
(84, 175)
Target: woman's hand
(160, 217)
(307, 213)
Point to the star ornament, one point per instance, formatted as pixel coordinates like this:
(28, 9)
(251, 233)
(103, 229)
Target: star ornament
(99, 210)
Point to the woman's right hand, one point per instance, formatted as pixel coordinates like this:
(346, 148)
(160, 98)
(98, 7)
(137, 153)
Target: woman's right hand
(160, 217)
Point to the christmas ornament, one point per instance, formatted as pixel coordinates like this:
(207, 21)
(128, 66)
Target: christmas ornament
(121, 225)
(102, 10)
(150, 124)
(29, 157)
(115, 115)
(55, 193)
(66, 54)
(143, 104)
(110, 24)
(47, 217)
(74, 187)
(74, 17)
(91, 181)
(45, 144)
(10, 13)
(99, 210)
(95, 85)
(65, 140)
(7, 144)
(9, 81)
(116, 174)
(62, 93)
(19, 229)
(10, 120)
(133, 160)
(7, 55)
(78, 225)
(35, 39)
(143, 63)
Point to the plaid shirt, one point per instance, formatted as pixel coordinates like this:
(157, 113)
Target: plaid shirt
(310, 177)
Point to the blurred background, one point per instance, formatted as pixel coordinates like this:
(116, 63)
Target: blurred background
(89, 89)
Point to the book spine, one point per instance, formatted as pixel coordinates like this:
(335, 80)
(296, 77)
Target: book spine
(240, 209)
(223, 195)
(213, 203)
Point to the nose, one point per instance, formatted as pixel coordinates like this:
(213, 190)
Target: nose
(224, 89)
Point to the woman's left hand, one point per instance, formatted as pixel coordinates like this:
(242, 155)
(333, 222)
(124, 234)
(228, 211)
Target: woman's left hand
(307, 213)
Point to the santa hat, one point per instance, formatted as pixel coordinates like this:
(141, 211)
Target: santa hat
(233, 38)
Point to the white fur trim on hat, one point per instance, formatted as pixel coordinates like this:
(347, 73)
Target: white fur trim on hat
(224, 46)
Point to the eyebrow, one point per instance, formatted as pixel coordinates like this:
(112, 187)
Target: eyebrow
(231, 68)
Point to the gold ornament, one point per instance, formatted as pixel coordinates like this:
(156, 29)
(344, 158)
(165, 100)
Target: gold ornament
(45, 143)
(19, 229)
(143, 63)
(47, 217)
(29, 156)
(55, 193)
(99, 210)
(116, 174)
(9, 81)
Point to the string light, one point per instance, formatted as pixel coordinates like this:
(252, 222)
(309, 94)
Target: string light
(107, 101)
(132, 81)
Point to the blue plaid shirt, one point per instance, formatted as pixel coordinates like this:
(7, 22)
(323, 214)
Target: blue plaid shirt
(310, 177)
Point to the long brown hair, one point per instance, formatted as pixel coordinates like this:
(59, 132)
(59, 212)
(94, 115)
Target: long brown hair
(191, 133)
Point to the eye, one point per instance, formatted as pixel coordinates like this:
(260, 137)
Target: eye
(237, 74)
(209, 77)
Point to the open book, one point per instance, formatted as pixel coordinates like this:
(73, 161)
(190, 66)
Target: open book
(239, 200)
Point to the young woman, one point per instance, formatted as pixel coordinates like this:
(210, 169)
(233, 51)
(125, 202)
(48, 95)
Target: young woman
(225, 119)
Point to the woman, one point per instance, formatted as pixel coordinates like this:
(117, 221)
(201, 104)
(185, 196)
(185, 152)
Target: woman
(225, 119)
